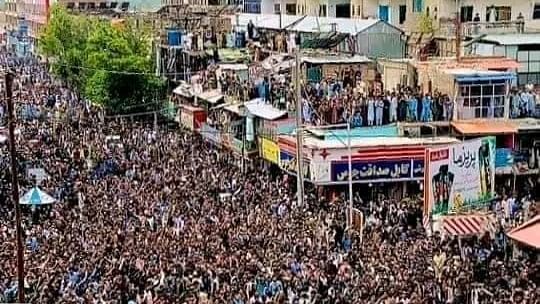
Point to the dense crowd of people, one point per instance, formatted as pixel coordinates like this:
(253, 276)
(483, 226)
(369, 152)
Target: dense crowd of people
(142, 217)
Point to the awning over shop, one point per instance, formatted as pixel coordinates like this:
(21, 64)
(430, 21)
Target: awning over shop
(528, 233)
(233, 66)
(234, 108)
(528, 125)
(466, 225)
(264, 110)
(212, 96)
(470, 75)
(492, 127)
(334, 59)
(183, 90)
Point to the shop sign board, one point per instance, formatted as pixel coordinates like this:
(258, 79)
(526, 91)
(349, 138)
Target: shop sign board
(270, 151)
(375, 170)
(186, 119)
(460, 177)
(504, 160)
(287, 162)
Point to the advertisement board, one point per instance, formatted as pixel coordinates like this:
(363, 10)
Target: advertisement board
(186, 119)
(374, 170)
(270, 151)
(460, 177)
(504, 160)
(287, 162)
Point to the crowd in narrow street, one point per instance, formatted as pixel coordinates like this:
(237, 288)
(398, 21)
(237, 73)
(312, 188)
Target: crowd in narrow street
(140, 219)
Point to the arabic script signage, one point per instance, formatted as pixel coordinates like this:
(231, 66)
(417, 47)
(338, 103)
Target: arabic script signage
(373, 170)
(270, 150)
(461, 176)
(287, 162)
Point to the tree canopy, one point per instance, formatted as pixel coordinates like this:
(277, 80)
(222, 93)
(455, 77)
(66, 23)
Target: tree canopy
(111, 66)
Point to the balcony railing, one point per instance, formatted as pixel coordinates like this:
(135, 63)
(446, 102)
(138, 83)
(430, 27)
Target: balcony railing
(471, 29)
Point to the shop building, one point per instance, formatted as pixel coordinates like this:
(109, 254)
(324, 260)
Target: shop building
(380, 159)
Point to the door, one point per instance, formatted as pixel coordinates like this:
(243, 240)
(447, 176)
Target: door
(384, 13)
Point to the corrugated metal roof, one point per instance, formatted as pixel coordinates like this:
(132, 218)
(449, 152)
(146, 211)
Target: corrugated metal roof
(307, 24)
(313, 24)
(512, 39)
(485, 127)
(476, 63)
(264, 110)
(336, 59)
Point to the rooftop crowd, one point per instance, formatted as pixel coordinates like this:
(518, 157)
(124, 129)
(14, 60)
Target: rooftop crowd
(345, 96)
(140, 219)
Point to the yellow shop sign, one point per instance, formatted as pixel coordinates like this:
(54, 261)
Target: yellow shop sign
(269, 150)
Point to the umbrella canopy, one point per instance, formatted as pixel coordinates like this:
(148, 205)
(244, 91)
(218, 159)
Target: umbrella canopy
(36, 197)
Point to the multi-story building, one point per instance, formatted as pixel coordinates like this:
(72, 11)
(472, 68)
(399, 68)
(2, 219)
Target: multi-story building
(33, 14)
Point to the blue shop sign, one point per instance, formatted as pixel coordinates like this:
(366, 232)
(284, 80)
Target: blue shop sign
(287, 162)
(373, 170)
(504, 158)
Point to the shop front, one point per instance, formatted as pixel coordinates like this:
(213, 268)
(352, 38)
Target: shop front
(459, 186)
(190, 117)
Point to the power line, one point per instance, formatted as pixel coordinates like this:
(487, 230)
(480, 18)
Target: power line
(111, 71)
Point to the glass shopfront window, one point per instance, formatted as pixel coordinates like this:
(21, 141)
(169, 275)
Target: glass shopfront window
(481, 100)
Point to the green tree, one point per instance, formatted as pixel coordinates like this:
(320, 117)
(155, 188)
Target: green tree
(425, 24)
(61, 42)
(111, 66)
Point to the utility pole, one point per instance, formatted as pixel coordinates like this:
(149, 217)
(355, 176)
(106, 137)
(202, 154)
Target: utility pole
(243, 163)
(458, 32)
(15, 185)
(299, 130)
(349, 152)
(280, 15)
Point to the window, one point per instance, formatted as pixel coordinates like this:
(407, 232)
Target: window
(114, 5)
(290, 9)
(71, 5)
(466, 13)
(277, 8)
(536, 11)
(252, 6)
(82, 5)
(482, 100)
(498, 13)
(102, 5)
(322, 10)
(418, 6)
(402, 14)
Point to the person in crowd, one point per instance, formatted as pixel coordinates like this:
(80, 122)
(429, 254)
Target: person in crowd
(412, 105)
(379, 107)
(370, 110)
(426, 108)
(393, 115)
(149, 214)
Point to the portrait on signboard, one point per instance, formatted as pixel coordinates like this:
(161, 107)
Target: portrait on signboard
(484, 166)
(442, 188)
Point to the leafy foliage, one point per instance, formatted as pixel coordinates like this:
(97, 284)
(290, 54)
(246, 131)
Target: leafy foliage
(425, 24)
(111, 66)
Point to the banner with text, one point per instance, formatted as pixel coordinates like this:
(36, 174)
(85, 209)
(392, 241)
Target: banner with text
(287, 162)
(460, 177)
(269, 151)
(375, 170)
